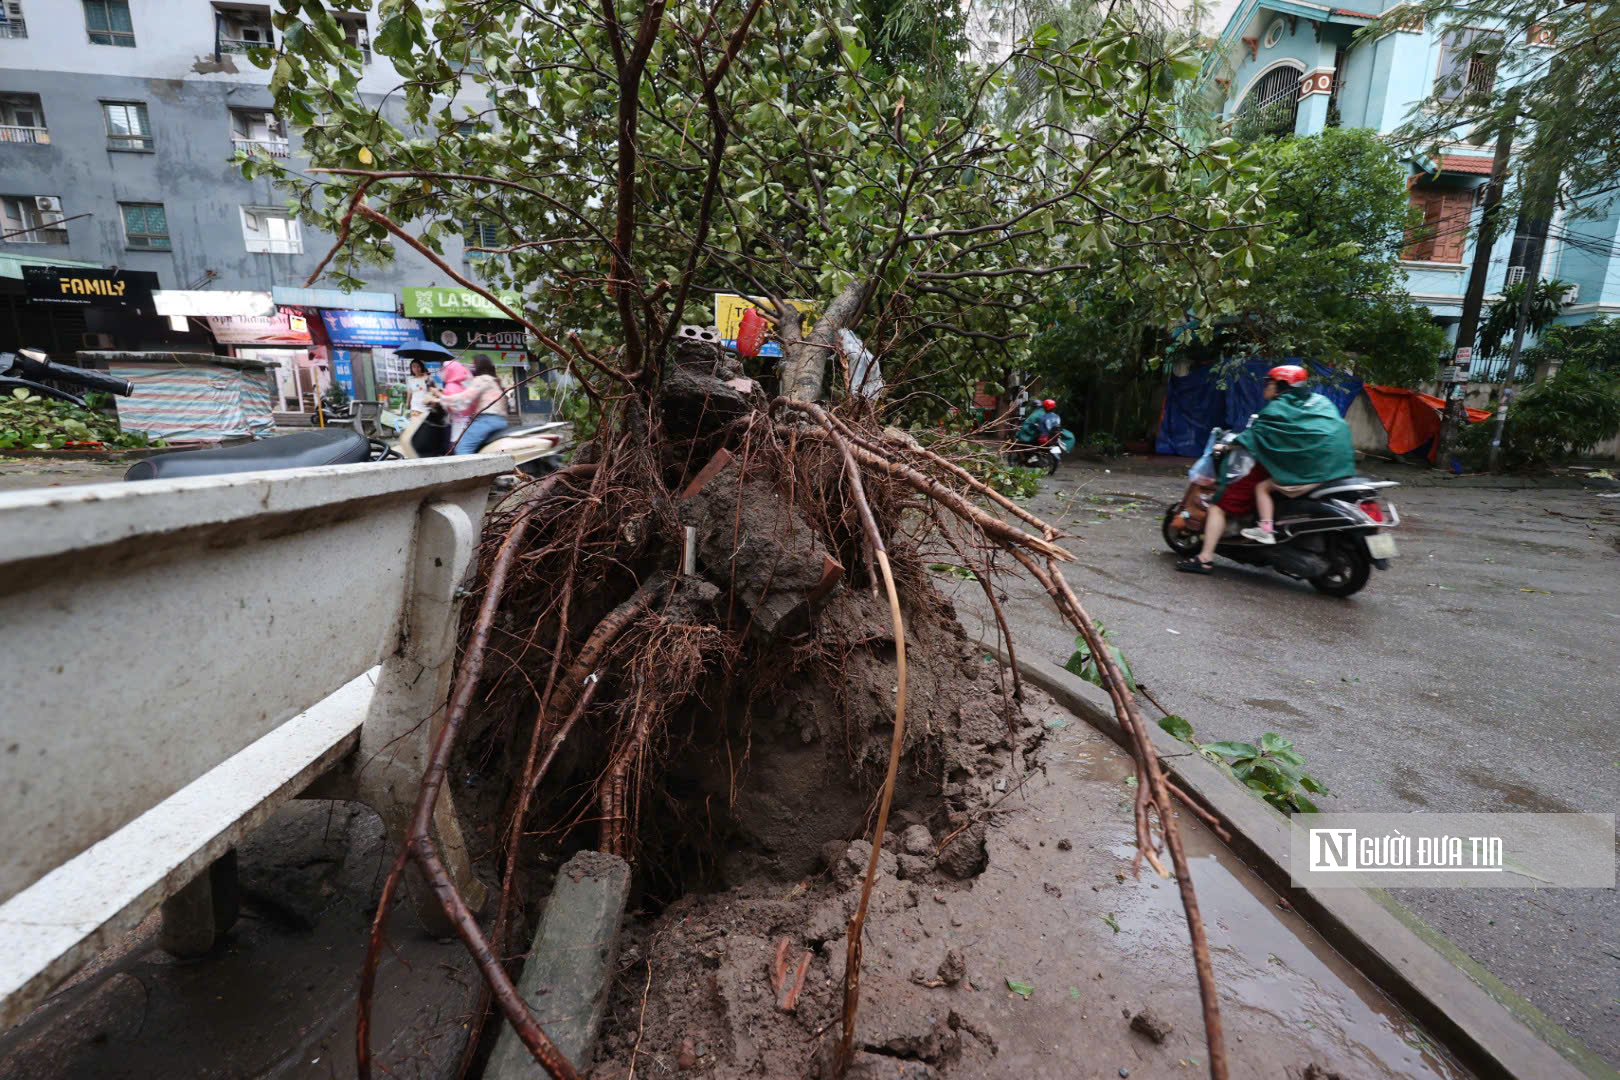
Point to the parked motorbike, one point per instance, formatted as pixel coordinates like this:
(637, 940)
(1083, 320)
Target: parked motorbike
(1331, 536)
(537, 448)
(27, 368)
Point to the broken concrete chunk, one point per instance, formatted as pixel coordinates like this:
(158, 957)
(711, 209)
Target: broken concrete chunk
(914, 867)
(574, 955)
(953, 968)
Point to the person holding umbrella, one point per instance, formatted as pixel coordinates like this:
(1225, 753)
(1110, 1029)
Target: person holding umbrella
(421, 381)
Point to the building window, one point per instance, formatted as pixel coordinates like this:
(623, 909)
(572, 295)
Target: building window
(1444, 232)
(11, 20)
(128, 127)
(273, 230)
(258, 129)
(146, 226)
(485, 234)
(1274, 33)
(108, 23)
(238, 29)
(1467, 64)
(1272, 104)
(355, 33)
(22, 120)
(31, 219)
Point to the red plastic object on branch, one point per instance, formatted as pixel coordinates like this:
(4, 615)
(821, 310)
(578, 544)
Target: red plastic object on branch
(750, 333)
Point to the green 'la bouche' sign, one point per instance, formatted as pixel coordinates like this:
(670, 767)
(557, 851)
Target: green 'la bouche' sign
(425, 303)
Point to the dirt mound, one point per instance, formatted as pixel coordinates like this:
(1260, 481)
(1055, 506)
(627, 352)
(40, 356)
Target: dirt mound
(712, 986)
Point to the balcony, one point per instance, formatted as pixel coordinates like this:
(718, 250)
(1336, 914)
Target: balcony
(273, 147)
(13, 28)
(240, 46)
(13, 133)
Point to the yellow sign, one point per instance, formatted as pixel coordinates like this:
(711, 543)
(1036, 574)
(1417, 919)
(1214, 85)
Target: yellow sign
(728, 313)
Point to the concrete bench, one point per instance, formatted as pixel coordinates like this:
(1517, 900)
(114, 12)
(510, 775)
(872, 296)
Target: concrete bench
(180, 657)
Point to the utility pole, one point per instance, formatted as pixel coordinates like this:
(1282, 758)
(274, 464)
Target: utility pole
(1474, 298)
(1532, 236)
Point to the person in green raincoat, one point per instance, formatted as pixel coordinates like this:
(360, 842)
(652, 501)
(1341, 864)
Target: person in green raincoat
(1298, 440)
(1301, 440)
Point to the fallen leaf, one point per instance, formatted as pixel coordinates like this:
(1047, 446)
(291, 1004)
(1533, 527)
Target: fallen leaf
(1022, 989)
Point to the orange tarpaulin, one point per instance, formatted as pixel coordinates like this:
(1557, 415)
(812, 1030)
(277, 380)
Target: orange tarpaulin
(1410, 418)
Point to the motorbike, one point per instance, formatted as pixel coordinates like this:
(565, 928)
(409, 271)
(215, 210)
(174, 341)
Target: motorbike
(27, 369)
(1046, 453)
(1331, 536)
(537, 448)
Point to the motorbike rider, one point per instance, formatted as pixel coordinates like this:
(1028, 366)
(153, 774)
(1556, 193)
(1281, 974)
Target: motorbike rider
(1298, 440)
(1040, 426)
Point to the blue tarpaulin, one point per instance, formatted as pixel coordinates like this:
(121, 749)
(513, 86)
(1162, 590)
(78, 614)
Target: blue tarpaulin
(1195, 403)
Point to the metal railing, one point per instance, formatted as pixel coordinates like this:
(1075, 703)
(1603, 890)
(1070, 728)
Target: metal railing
(13, 28)
(273, 147)
(15, 133)
(240, 46)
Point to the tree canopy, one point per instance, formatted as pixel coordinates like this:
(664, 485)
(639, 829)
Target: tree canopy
(636, 158)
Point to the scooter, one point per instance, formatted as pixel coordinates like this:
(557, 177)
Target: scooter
(1047, 453)
(1331, 536)
(537, 448)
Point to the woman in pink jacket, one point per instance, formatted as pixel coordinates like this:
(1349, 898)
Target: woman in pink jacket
(483, 401)
(456, 377)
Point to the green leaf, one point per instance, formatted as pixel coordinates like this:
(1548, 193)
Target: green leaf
(1233, 749)
(1022, 989)
(1311, 784)
(393, 37)
(1271, 742)
(1305, 804)
(1177, 727)
(1109, 919)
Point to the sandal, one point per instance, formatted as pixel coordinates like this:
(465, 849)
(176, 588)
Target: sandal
(1194, 565)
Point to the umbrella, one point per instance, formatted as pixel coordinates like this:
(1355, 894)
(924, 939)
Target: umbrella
(424, 350)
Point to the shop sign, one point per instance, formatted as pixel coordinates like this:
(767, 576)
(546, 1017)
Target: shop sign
(382, 328)
(201, 303)
(728, 313)
(281, 328)
(478, 335)
(343, 370)
(292, 296)
(90, 286)
(456, 304)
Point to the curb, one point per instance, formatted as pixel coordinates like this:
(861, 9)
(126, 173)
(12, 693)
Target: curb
(1489, 1028)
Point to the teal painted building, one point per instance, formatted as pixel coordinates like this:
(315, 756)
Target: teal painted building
(1288, 65)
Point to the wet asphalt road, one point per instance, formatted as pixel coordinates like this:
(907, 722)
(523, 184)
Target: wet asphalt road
(1482, 672)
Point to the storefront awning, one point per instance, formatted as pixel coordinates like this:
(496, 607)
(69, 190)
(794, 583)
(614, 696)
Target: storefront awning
(11, 265)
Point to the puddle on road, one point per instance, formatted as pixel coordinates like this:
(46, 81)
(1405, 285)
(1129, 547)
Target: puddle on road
(1275, 705)
(1270, 962)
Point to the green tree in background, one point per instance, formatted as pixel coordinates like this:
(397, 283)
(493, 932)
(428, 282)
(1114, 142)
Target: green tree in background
(1331, 287)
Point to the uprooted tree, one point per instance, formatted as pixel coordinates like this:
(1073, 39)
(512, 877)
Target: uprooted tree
(632, 161)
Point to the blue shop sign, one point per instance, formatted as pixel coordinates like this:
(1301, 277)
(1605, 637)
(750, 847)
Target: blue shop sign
(343, 370)
(369, 328)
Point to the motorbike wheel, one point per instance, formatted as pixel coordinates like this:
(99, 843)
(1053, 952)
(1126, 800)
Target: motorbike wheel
(1348, 569)
(1051, 463)
(1182, 543)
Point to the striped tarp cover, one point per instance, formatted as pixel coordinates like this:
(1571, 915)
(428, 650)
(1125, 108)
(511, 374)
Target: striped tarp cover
(203, 402)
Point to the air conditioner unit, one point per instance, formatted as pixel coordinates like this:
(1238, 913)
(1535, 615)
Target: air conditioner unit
(1572, 294)
(98, 341)
(48, 204)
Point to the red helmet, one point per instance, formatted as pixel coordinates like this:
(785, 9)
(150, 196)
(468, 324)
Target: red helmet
(1292, 374)
(1048, 404)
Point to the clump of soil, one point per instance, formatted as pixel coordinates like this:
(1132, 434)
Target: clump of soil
(695, 993)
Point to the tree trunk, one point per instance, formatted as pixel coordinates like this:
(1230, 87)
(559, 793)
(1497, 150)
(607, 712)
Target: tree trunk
(804, 364)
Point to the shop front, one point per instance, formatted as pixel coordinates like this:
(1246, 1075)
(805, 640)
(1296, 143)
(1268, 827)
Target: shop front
(67, 306)
(362, 345)
(467, 324)
(281, 339)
